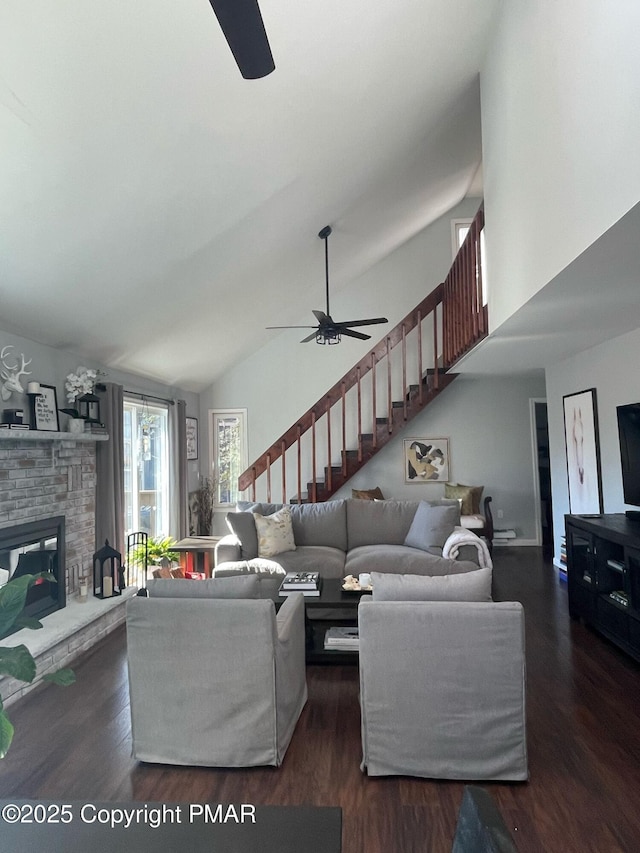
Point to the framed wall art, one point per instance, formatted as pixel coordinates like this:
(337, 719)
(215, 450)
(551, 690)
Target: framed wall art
(426, 460)
(192, 438)
(583, 452)
(45, 408)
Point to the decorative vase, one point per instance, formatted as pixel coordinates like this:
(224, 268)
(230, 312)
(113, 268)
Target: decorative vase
(76, 426)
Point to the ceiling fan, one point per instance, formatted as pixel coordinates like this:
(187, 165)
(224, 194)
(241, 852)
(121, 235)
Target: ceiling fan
(328, 330)
(241, 23)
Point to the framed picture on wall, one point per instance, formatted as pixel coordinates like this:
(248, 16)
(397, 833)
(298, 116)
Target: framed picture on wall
(45, 406)
(192, 438)
(426, 460)
(583, 452)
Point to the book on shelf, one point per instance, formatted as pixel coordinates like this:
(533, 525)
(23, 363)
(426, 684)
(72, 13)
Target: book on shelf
(301, 580)
(344, 638)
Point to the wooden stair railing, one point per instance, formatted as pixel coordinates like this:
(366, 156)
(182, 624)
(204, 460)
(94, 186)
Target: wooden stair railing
(410, 362)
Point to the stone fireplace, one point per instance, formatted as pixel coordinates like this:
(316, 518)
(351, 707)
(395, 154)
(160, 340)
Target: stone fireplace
(42, 480)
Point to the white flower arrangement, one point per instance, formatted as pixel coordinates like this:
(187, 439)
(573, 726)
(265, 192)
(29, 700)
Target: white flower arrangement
(79, 383)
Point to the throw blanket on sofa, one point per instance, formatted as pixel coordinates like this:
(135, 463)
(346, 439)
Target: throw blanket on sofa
(461, 536)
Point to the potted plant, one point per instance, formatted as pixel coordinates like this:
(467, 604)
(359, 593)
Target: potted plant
(17, 661)
(158, 551)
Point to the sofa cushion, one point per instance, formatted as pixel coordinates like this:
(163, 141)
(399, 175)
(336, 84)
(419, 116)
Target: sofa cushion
(400, 559)
(275, 533)
(378, 522)
(470, 586)
(468, 495)
(258, 566)
(314, 558)
(243, 525)
(320, 524)
(238, 587)
(432, 526)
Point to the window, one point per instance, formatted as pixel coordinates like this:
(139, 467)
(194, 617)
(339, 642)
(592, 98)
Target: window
(146, 468)
(459, 230)
(228, 440)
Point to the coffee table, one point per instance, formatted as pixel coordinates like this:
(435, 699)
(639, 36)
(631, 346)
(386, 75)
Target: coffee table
(342, 609)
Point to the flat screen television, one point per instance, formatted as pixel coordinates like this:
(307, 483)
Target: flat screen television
(629, 432)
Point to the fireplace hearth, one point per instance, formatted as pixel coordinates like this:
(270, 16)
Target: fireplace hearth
(36, 546)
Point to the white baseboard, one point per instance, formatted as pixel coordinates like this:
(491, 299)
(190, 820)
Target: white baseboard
(516, 543)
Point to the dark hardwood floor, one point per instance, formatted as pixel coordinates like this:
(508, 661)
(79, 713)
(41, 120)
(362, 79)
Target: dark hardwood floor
(583, 726)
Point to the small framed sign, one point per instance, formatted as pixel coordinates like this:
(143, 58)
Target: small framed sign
(46, 409)
(192, 438)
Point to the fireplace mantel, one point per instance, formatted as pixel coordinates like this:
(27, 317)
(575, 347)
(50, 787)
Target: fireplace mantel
(48, 435)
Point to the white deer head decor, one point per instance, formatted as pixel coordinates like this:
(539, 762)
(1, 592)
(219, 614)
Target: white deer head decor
(11, 373)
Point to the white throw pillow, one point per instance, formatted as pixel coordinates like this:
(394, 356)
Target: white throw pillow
(275, 533)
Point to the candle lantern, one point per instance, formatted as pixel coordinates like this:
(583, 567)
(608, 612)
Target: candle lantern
(89, 408)
(108, 572)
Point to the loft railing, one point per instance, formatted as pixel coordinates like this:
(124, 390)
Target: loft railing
(401, 374)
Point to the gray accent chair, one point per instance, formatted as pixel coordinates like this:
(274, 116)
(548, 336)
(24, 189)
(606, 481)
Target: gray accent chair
(442, 689)
(217, 682)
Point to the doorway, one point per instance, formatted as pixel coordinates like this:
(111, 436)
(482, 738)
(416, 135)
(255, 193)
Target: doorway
(542, 475)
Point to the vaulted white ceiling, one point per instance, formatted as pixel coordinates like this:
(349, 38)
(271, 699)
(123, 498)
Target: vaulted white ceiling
(157, 210)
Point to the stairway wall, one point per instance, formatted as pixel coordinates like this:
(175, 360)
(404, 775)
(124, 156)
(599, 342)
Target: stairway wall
(488, 426)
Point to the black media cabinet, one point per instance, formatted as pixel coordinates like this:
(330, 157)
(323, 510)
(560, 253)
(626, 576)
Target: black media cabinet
(603, 576)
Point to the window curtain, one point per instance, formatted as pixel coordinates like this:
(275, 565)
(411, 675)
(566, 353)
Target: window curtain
(110, 470)
(178, 470)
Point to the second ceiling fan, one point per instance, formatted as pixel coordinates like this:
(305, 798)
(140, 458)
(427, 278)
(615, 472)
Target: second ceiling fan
(328, 330)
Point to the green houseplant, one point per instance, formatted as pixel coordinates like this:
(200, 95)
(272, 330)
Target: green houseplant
(158, 550)
(17, 661)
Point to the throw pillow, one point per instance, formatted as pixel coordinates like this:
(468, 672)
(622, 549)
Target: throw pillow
(243, 525)
(237, 587)
(275, 533)
(368, 494)
(469, 495)
(432, 526)
(470, 586)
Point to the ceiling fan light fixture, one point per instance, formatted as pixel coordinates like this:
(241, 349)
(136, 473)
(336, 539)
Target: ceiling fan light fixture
(328, 338)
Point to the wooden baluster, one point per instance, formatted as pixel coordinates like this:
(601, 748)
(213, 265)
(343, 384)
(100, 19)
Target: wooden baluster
(329, 472)
(473, 283)
(436, 367)
(359, 398)
(374, 407)
(405, 389)
(283, 451)
(389, 400)
(253, 485)
(314, 485)
(419, 330)
(299, 466)
(268, 478)
(343, 394)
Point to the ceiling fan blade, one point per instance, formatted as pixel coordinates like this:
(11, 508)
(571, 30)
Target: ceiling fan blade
(310, 337)
(349, 333)
(243, 28)
(321, 317)
(371, 322)
(290, 327)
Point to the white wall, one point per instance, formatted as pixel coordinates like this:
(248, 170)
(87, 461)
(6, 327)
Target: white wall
(487, 422)
(609, 368)
(283, 379)
(560, 87)
(51, 367)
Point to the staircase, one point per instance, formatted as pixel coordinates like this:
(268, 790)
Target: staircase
(378, 397)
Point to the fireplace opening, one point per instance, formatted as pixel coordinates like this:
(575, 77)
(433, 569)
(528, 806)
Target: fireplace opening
(30, 548)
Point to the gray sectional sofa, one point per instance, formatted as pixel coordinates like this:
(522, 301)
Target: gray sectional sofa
(347, 537)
